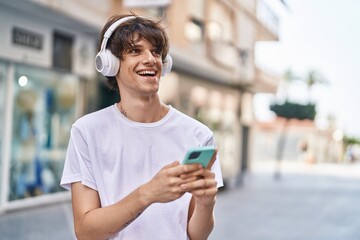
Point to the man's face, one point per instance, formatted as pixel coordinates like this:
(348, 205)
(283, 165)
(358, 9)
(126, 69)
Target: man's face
(140, 70)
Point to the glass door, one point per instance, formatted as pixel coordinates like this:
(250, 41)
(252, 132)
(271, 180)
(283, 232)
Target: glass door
(44, 110)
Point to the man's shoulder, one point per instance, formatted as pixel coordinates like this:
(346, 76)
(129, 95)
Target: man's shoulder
(185, 119)
(96, 118)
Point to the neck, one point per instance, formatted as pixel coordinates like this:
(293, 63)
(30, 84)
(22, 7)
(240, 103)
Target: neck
(122, 110)
(143, 111)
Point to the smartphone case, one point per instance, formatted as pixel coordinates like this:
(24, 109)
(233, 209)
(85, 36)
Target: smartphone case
(199, 155)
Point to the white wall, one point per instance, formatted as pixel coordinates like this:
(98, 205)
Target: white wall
(84, 45)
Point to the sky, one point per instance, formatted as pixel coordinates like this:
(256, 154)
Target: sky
(321, 35)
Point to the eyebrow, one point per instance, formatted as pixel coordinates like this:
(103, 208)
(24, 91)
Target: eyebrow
(133, 45)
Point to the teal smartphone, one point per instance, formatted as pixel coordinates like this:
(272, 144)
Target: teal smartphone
(199, 155)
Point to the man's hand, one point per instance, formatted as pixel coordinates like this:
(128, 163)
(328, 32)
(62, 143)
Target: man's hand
(165, 186)
(204, 188)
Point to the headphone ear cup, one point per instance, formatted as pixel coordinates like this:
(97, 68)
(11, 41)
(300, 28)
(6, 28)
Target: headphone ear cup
(107, 63)
(167, 65)
(100, 62)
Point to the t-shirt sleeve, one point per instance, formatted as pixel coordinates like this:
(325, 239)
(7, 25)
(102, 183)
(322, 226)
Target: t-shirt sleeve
(77, 167)
(216, 168)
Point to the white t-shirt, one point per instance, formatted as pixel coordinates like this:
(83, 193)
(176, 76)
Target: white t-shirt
(114, 155)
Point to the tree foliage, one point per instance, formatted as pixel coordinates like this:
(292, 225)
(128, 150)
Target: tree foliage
(351, 141)
(290, 110)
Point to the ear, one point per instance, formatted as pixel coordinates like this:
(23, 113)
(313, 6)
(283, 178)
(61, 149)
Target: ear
(107, 63)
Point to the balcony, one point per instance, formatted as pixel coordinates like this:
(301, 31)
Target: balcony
(265, 82)
(200, 66)
(268, 21)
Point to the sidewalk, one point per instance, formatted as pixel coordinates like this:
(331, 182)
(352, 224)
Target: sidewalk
(312, 202)
(321, 169)
(46, 222)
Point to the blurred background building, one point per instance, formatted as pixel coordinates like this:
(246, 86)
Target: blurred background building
(48, 79)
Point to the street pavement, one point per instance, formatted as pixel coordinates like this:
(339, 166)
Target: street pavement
(312, 202)
(50, 222)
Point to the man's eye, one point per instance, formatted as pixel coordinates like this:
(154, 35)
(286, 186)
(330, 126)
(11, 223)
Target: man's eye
(156, 53)
(134, 51)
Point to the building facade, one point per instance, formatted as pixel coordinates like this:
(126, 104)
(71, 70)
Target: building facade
(48, 79)
(303, 142)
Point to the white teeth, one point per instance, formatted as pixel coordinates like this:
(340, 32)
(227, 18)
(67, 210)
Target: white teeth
(146, 72)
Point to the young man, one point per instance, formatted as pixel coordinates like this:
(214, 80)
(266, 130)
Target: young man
(122, 161)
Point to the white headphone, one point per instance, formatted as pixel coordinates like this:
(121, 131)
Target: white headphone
(108, 64)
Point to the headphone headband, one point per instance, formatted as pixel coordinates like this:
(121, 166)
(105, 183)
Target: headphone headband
(111, 29)
(108, 64)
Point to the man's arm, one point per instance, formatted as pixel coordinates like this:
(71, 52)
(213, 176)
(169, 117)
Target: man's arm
(201, 209)
(95, 222)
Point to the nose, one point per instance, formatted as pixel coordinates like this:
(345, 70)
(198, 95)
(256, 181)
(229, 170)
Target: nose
(149, 58)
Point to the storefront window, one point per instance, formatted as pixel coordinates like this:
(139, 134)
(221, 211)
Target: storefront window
(2, 110)
(44, 109)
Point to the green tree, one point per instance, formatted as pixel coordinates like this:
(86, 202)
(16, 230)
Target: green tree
(291, 110)
(288, 111)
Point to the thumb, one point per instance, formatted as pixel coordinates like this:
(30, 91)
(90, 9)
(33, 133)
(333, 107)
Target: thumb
(173, 164)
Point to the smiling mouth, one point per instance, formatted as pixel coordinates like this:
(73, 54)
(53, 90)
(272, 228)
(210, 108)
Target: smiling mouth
(147, 73)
